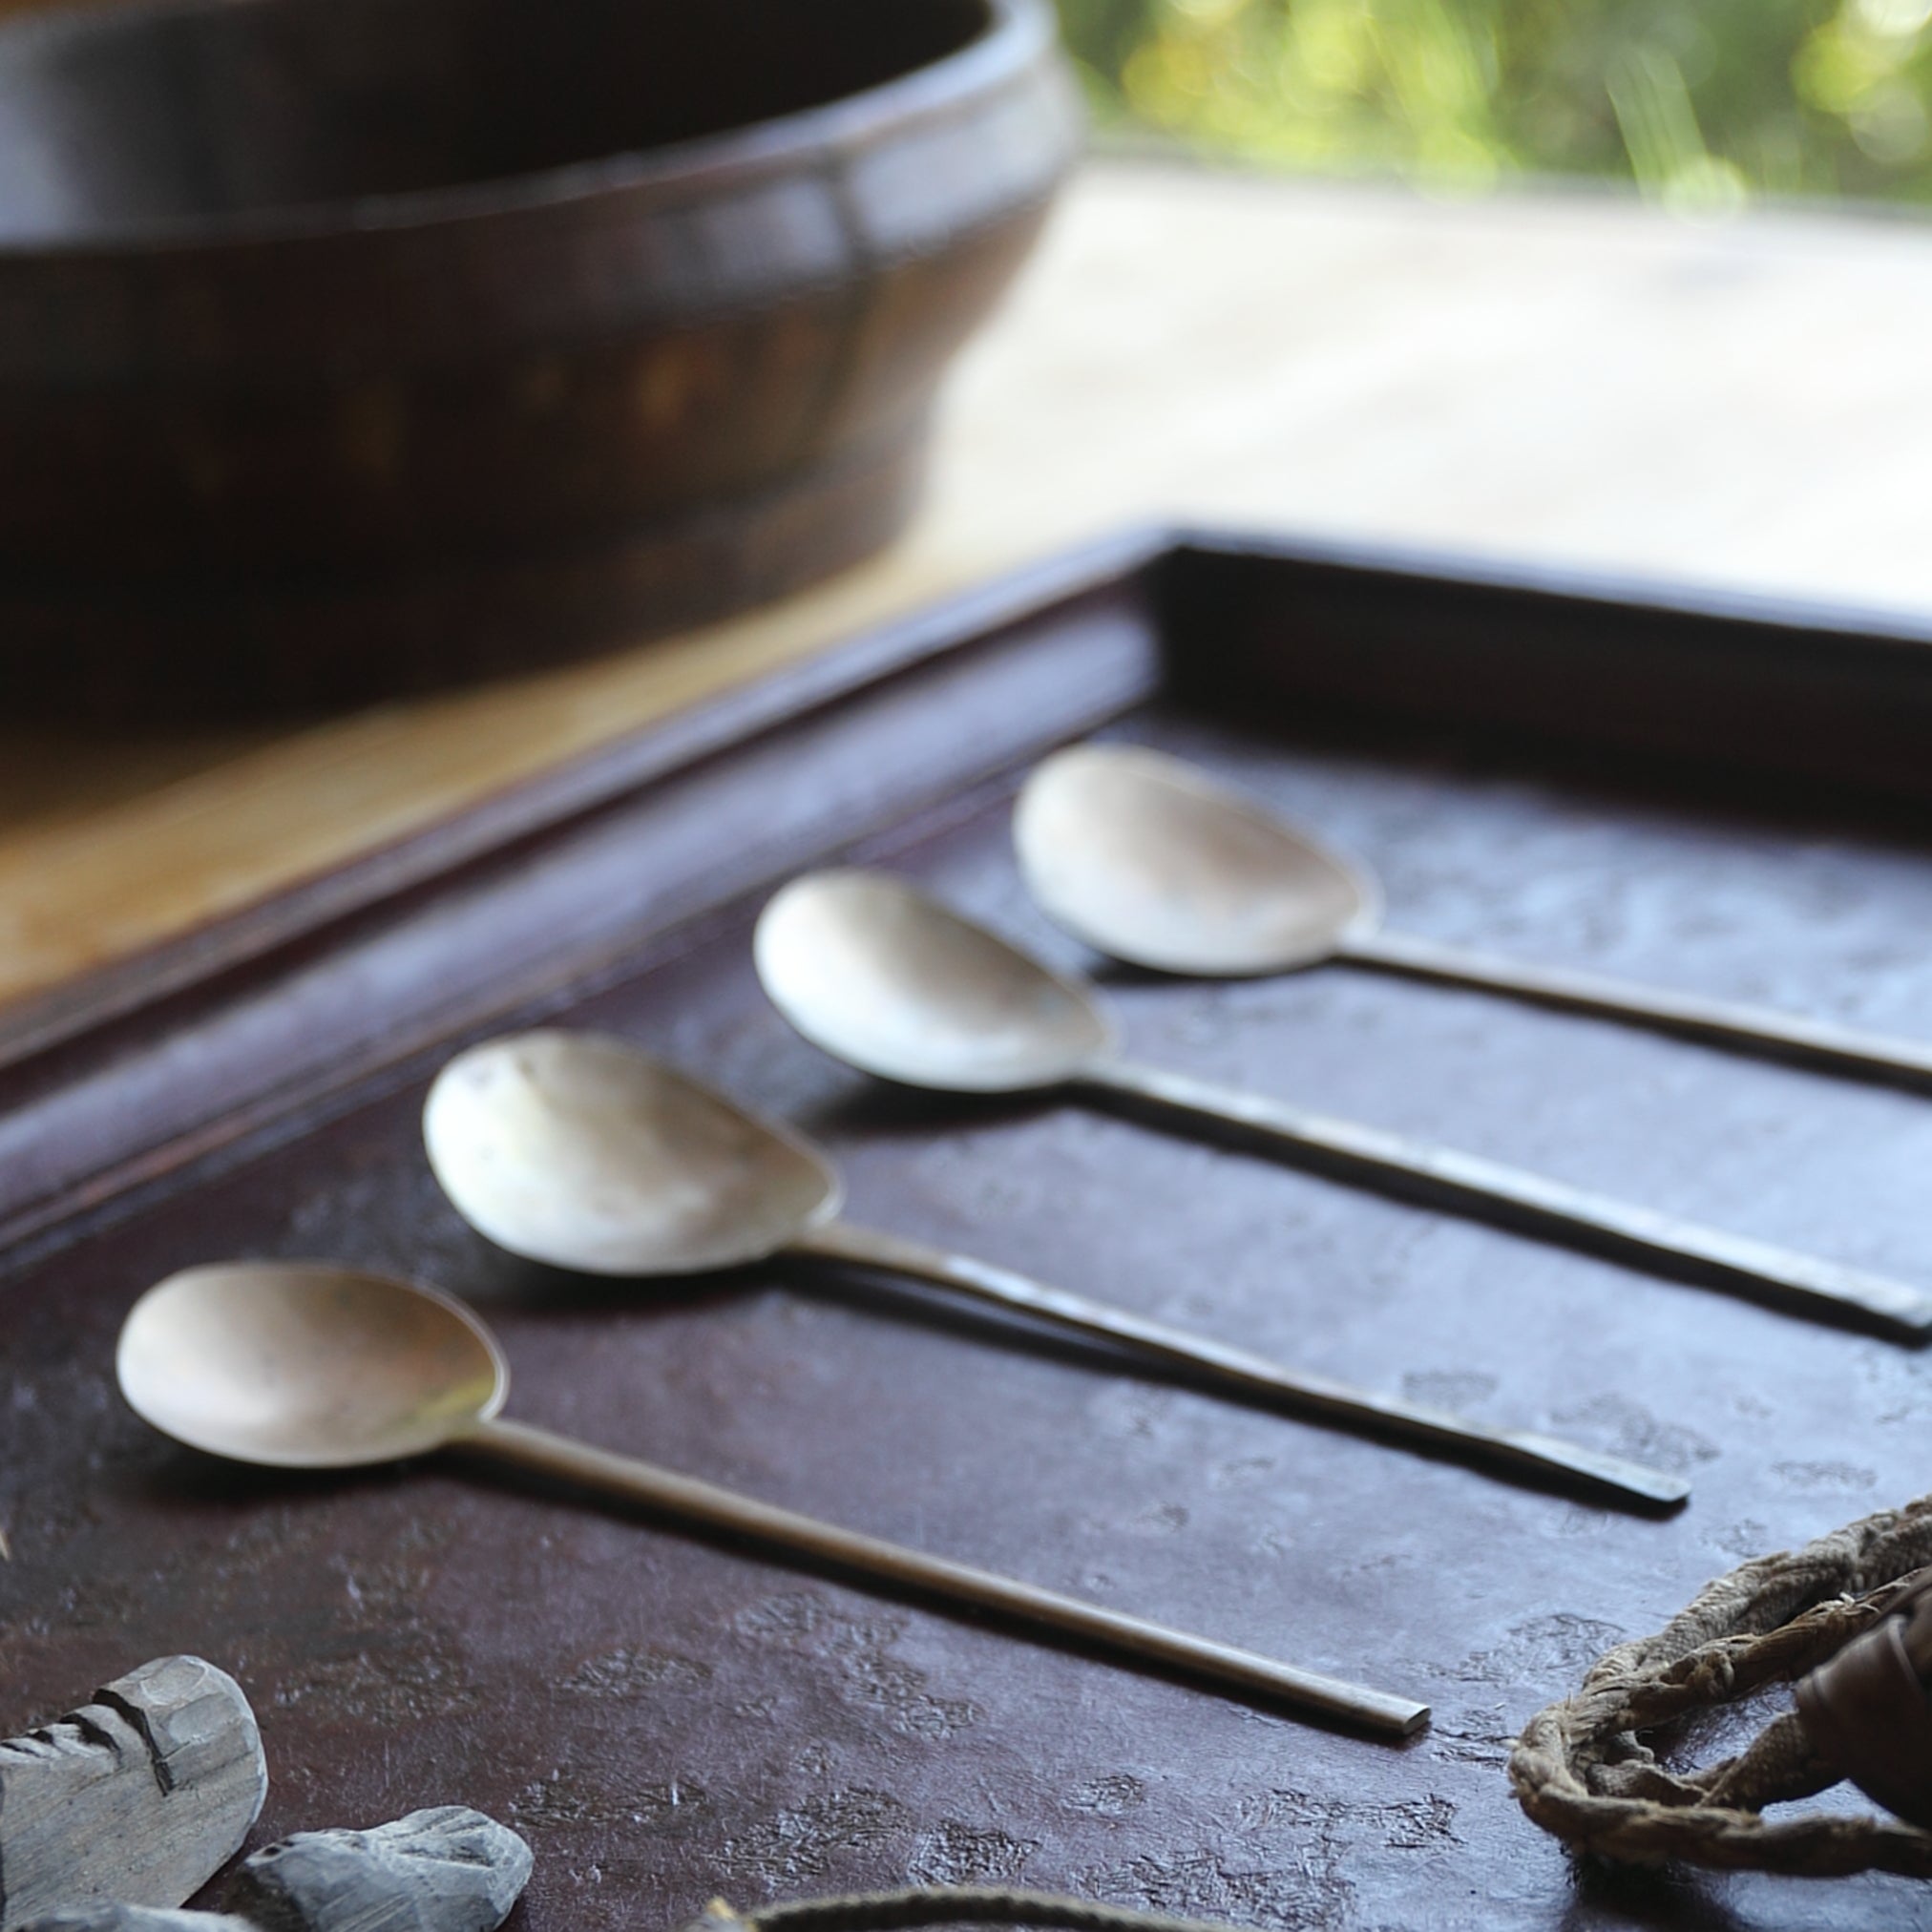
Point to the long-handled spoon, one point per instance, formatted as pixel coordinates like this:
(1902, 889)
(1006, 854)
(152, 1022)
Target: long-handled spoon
(579, 1150)
(305, 1366)
(883, 977)
(1149, 860)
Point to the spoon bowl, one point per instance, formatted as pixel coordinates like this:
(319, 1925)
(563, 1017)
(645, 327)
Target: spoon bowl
(300, 1365)
(577, 1151)
(892, 983)
(1148, 861)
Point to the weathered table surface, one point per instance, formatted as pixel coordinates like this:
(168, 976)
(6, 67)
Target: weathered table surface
(1557, 379)
(667, 1719)
(1553, 377)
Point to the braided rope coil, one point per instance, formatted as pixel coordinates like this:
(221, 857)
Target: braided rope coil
(925, 1905)
(1583, 1771)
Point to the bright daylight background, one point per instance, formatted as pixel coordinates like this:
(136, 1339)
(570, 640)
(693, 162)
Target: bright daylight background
(1703, 104)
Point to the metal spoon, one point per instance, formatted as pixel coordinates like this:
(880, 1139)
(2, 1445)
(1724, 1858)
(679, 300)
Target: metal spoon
(1149, 860)
(579, 1150)
(305, 1366)
(885, 978)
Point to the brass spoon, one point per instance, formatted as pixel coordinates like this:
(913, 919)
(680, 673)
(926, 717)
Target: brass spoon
(579, 1150)
(883, 977)
(305, 1366)
(1150, 861)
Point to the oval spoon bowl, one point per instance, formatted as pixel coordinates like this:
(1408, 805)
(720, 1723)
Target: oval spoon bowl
(575, 1150)
(1148, 861)
(885, 978)
(299, 1365)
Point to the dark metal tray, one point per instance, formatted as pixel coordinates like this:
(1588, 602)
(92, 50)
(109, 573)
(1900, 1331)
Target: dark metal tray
(1732, 800)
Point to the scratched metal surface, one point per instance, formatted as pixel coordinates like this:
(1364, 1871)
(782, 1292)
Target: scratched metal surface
(666, 1720)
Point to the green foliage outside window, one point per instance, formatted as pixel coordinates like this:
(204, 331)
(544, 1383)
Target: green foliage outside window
(1703, 104)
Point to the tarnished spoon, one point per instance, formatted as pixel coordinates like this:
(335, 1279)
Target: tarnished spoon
(883, 977)
(580, 1151)
(1150, 861)
(305, 1366)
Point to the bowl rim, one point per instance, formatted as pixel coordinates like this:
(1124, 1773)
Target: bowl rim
(1015, 36)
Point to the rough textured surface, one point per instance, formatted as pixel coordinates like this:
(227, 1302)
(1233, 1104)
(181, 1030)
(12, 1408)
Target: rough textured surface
(667, 1721)
(447, 1869)
(139, 1796)
(107, 1916)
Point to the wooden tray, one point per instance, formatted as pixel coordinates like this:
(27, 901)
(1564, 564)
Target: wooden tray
(1714, 796)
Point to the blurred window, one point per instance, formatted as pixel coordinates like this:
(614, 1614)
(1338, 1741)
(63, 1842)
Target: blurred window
(1702, 106)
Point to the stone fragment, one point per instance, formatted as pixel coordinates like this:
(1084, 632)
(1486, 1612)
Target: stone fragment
(446, 1870)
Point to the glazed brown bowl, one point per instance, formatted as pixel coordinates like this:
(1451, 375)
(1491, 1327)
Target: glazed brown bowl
(355, 347)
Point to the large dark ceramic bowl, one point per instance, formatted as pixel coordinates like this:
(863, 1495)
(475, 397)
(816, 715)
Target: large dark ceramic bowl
(349, 346)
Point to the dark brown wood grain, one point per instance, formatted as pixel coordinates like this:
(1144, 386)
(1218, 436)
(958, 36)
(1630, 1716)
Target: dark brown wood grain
(351, 349)
(664, 1719)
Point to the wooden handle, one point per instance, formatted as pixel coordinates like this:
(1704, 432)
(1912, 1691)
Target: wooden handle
(1440, 1177)
(1252, 1376)
(1810, 1042)
(690, 1500)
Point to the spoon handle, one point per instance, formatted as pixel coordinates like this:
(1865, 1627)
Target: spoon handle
(1751, 1029)
(1441, 1177)
(1250, 1376)
(690, 1500)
